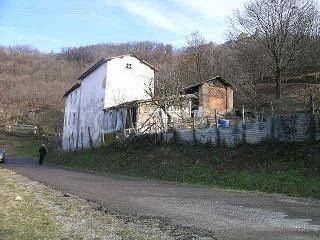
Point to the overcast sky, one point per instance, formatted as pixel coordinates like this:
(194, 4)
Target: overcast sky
(52, 24)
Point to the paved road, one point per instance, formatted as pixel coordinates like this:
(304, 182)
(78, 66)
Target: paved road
(225, 214)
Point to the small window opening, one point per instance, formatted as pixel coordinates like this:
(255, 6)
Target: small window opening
(131, 121)
(195, 102)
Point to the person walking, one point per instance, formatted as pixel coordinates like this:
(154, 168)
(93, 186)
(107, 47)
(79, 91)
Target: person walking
(42, 154)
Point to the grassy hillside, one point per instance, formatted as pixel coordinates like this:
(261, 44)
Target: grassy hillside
(292, 169)
(20, 146)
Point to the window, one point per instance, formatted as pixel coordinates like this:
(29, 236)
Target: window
(69, 118)
(129, 66)
(131, 120)
(74, 119)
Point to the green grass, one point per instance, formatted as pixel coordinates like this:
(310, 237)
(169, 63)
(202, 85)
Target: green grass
(20, 146)
(291, 183)
(292, 169)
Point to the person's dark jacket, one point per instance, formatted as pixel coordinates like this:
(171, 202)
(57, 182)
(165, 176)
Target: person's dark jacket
(42, 151)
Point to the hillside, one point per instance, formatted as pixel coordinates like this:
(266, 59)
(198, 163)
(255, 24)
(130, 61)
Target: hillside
(295, 97)
(32, 83)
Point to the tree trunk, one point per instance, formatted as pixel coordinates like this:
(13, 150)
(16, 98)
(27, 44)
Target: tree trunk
(278, 84)
(169, 117)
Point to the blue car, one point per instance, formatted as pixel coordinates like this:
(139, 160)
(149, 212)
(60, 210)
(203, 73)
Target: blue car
(2, 155)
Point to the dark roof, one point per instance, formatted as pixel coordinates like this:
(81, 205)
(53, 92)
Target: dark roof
(91, 69)
(104, 60)
(217, 78)
(129, 104)
(71, 89)
(135, 103)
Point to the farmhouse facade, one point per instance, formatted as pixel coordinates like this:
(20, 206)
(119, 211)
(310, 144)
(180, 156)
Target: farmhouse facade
(140, 116)
(110, 82)
(110, 100)
(145, 116)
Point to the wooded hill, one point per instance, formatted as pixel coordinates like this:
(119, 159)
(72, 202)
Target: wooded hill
(32, 83)
(272, 56)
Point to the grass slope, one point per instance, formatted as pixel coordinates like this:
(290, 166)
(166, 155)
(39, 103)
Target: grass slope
(292, 169)
(20, 146)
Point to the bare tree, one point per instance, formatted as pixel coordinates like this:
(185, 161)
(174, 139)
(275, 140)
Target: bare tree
(195, 62)
(197, 54)
(165, 90)
(281, 27)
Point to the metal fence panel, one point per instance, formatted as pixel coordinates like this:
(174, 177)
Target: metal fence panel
(279, 128)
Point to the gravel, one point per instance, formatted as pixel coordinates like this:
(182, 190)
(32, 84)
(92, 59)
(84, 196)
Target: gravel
(77, 218)
(175, 211)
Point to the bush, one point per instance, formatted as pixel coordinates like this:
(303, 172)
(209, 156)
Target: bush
(197, 173)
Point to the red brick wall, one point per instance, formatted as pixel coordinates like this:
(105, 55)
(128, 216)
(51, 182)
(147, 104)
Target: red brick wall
(214, 97)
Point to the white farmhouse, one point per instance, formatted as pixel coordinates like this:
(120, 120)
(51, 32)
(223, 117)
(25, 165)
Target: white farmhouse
(110, 82)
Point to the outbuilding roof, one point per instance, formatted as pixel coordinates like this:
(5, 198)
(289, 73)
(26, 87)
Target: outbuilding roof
(217, 78)
(133, 103)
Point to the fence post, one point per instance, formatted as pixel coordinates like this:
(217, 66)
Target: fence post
(90, 138)
(217, 127)
(81, 140)
(243, 125)
(194, 130)
(101, 139)
(262, 115)
(272, 122)
(312, 119)
(69, 142)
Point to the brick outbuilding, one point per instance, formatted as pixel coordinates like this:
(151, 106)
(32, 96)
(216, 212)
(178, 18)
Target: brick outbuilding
(213, 94)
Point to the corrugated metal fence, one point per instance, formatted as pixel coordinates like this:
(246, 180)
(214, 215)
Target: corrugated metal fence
(298, 127)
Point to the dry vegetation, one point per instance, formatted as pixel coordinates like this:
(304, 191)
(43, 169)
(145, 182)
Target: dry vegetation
(34, 81)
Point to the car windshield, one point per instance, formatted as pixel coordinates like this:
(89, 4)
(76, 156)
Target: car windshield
(1, 150)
